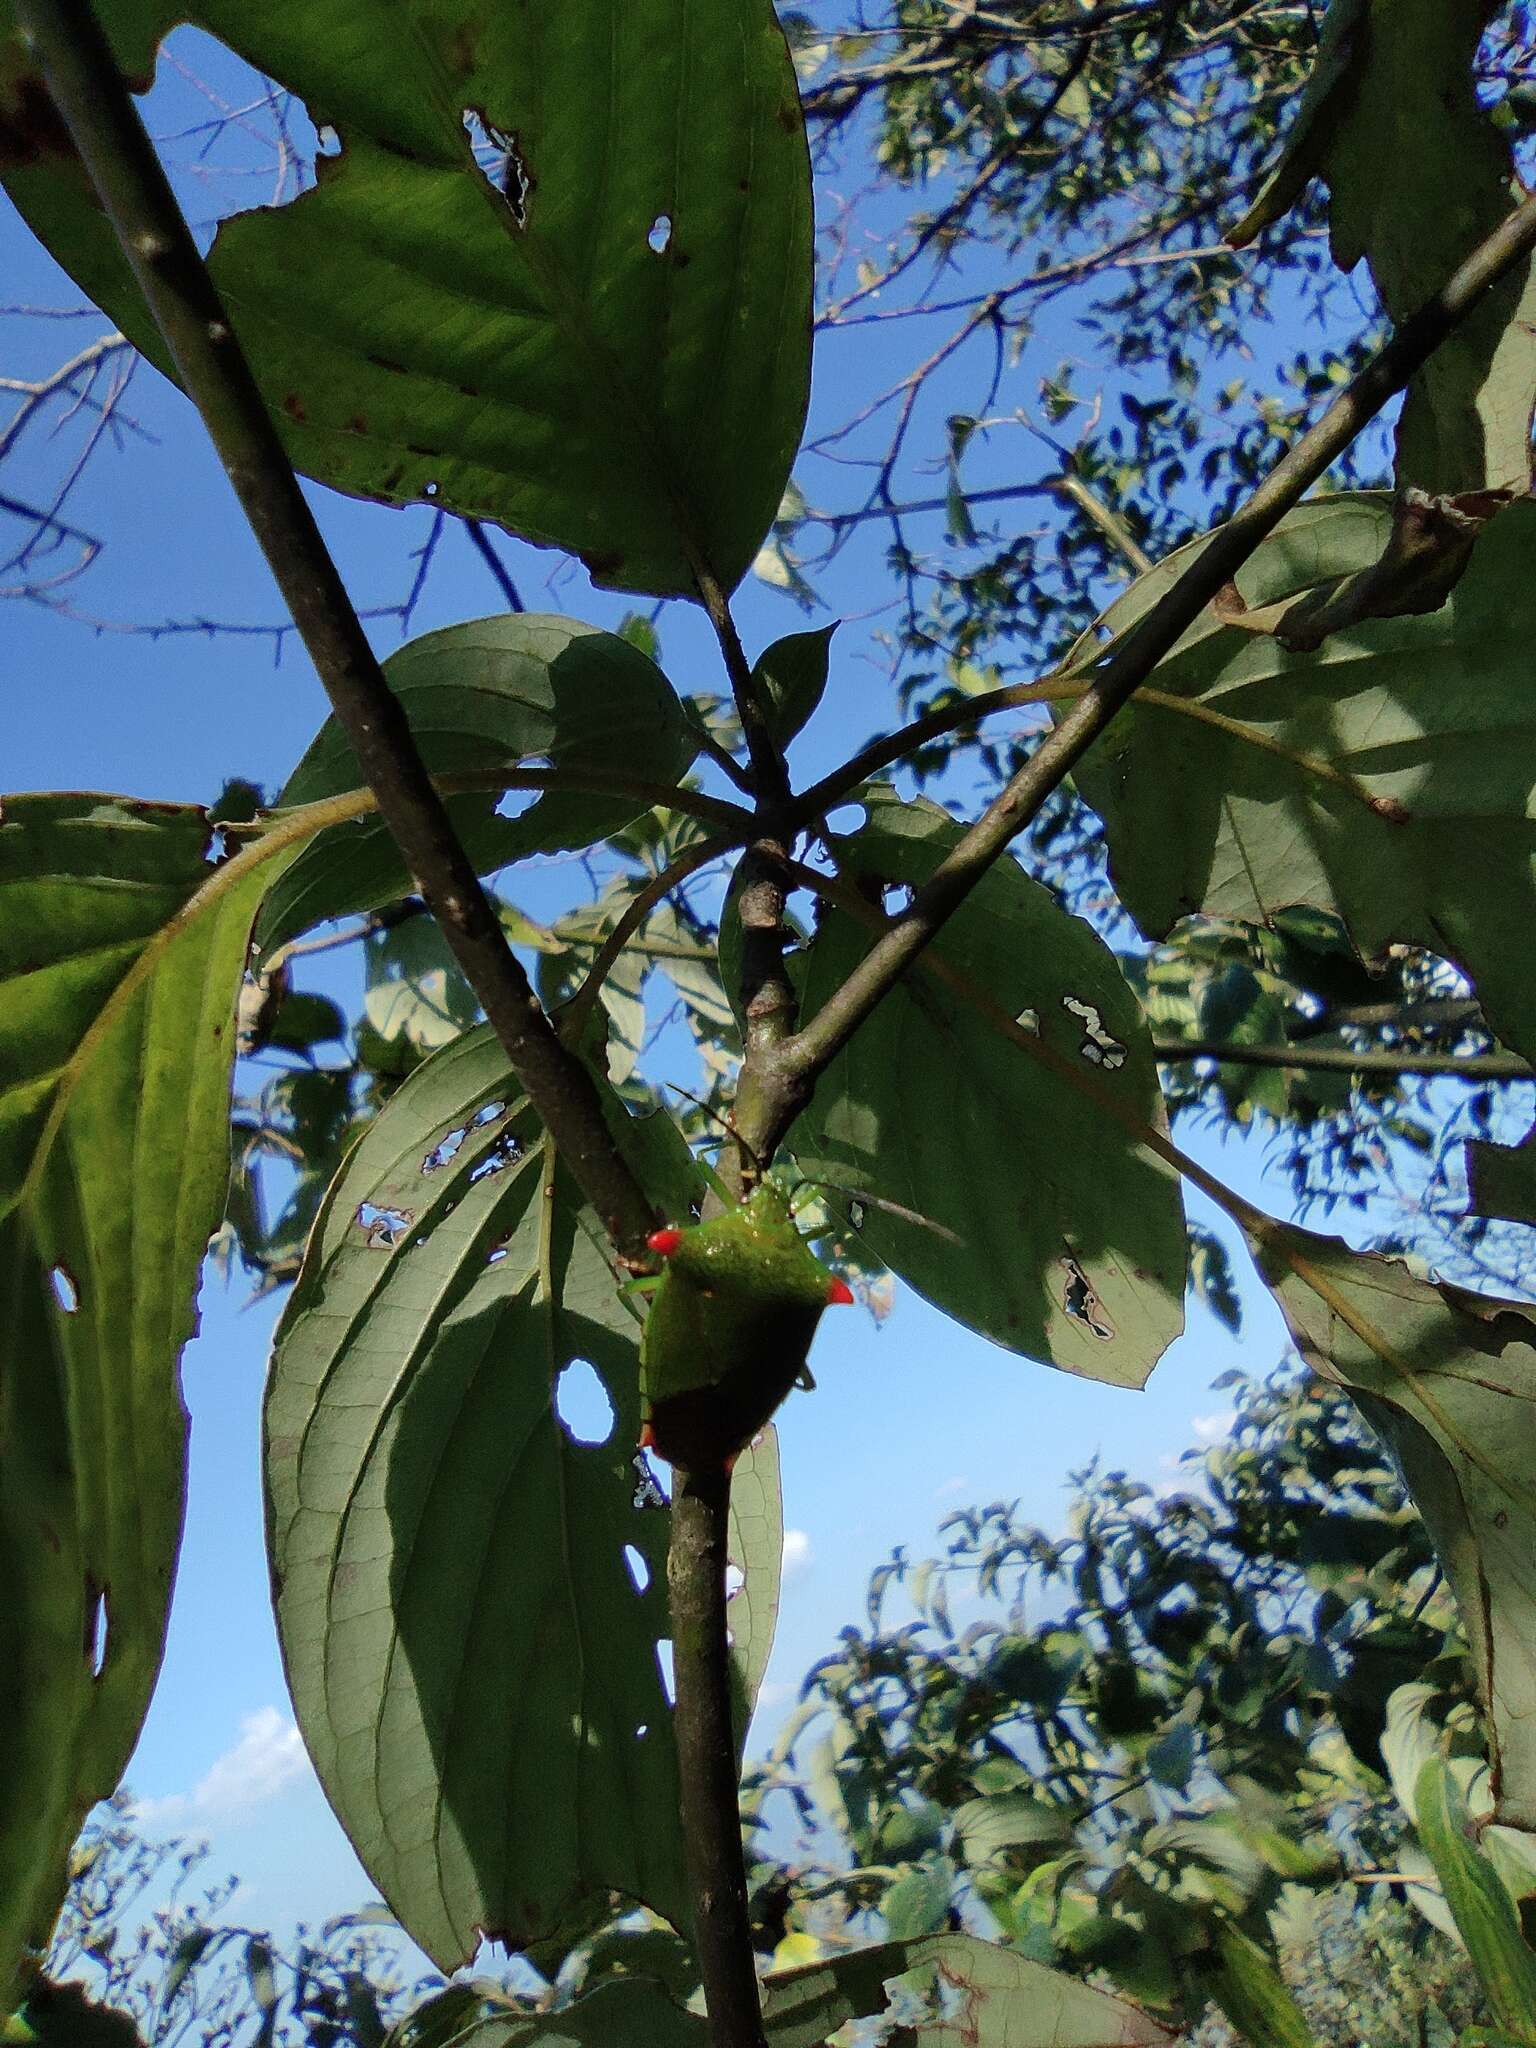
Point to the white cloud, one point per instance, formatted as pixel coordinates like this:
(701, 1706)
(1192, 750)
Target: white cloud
(798, 1554)
(1213, 1429)
(265, 1759)
(952, 1489)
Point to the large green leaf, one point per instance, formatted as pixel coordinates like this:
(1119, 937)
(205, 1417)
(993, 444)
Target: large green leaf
(613, 360)
(1056, 1235)
(951, 1987)
(472, 1657)
(1418, 174)
(1448, 1379)
(1479, 1901)
(480, 697)
(121, 951)
(628, 2013)
(1432, 717)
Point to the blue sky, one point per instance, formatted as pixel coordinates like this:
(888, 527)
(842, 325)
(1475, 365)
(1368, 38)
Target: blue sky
(909, 1420)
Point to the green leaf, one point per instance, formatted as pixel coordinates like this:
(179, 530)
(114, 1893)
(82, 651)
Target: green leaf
(1395, 85)
(1252, 1993)
(1010, 1828)
(1432, 717)
(415, 997)
(918, 1902)
(121, 953)
(789, 678)
(472, 1659)
(631, 2012)
(1071, 1243)
(613, 360)
(62, 2016)
(1502, 1179)
(1448, 1379)
(1482, 1908)
(481, 697)
(755, 1546)
(1172, 1757)
(948, 1987)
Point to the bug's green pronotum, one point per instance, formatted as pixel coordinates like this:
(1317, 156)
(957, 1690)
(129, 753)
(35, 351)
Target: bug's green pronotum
(730, 1322)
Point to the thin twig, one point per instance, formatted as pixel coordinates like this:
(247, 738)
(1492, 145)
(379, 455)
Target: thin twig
(1344, 1059)
(636, 911)
(131, 185)
(500, 574)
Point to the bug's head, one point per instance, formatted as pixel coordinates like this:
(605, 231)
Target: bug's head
(839, 1293)
(665, 1242)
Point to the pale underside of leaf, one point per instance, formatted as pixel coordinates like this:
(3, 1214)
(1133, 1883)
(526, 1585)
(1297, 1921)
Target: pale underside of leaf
(597, 336)
(473, 1661)
(1431, 717)
(1449, 1380)
(1418, 176)
(1057, 1236)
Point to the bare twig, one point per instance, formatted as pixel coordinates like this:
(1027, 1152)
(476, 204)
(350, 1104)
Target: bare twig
(131, 185)
(1345, 1059)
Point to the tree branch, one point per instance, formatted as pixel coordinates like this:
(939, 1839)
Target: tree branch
(1344, 1059)
(706, 1756)
(1121, 675)
(130, 183)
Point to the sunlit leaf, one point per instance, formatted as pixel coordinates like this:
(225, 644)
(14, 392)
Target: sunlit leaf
(948, 1987)
(1430, 719)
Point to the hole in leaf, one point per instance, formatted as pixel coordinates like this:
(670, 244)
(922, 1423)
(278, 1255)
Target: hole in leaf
(97, 1624)
(1098, 1046)
(431, 487)
(514, 802)
(328, 142)
(856, 1214)
(664, 1665)
(500, 162)
(1029, 1020)
(496, 1255)
(735, 1579)
(1082, 1304)
(846, 818)
(642, 1731)
(65, 1292)
(582, 1404)
(488, 1115)
(444, 1149)
(660, 236)
(649, 1491)
(502, 1154)
(639, 1570)
(383, 1228)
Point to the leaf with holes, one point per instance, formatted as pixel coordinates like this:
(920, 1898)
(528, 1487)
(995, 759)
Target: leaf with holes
(471, 1590)
(557, 274)
(950, 1987)
(121, 951)
(481, 697)
(1384, 777)
(1055, 1235)
(1448, 1379)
